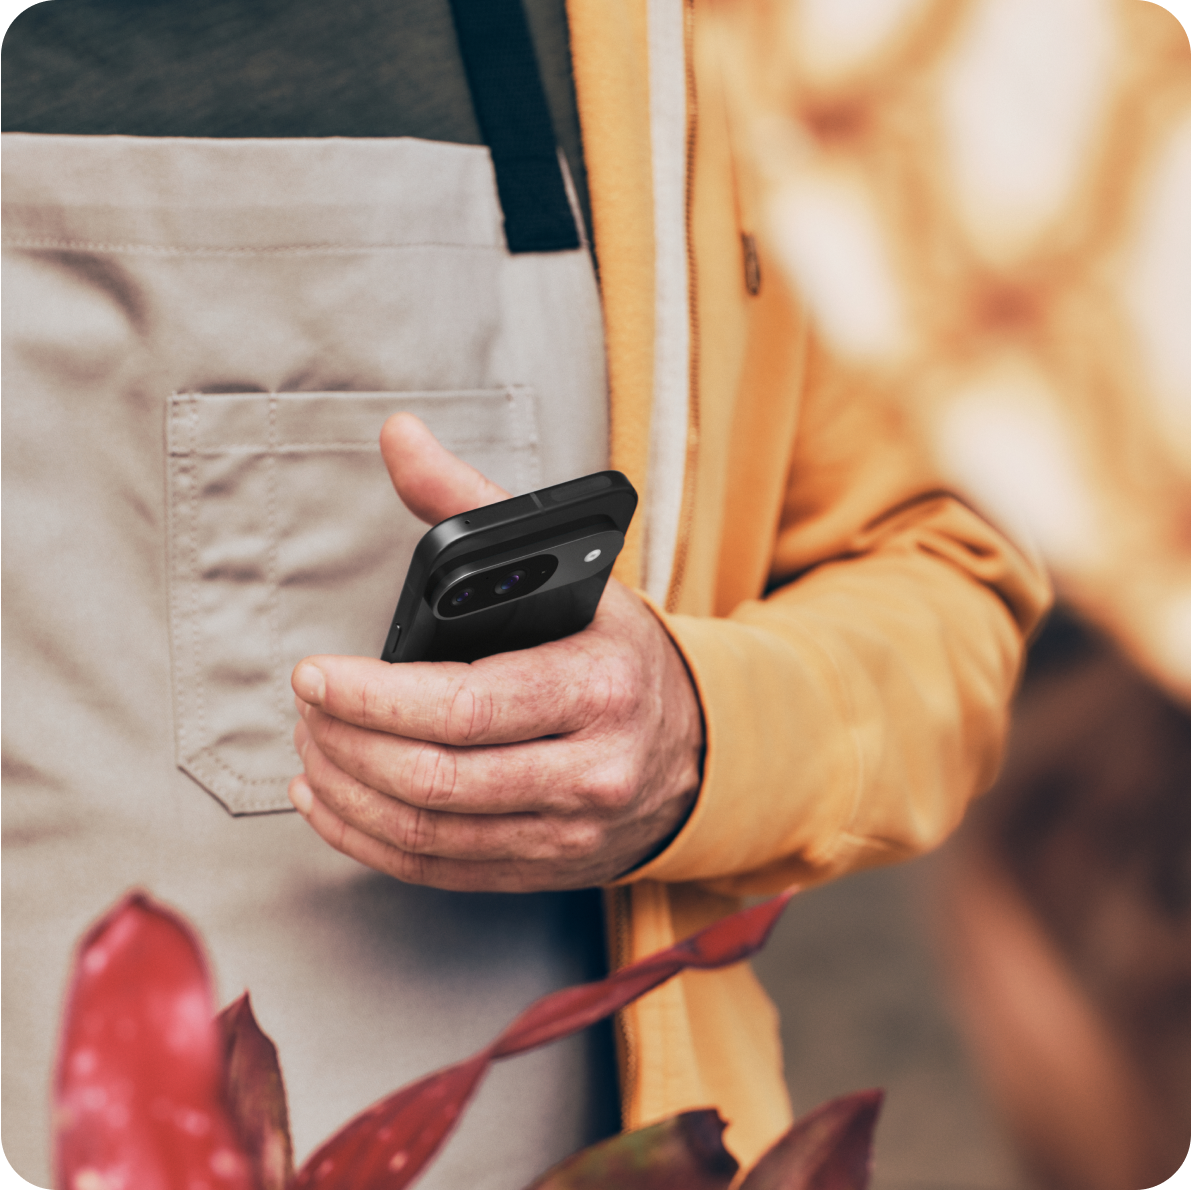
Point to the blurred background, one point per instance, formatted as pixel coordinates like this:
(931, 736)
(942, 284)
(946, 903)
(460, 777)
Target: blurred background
(986, 206)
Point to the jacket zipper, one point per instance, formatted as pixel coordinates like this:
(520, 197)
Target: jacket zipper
(622, 897)
(626, 1037)
(687, 514)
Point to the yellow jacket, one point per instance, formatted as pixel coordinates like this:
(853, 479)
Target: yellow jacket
(853, 710)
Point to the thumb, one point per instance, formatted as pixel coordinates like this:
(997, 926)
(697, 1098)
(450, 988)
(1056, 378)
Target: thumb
(432, 483)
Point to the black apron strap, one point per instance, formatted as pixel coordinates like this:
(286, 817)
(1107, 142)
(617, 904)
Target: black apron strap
(510, 103)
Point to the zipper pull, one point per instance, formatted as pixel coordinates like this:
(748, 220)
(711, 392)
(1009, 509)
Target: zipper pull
(752, 264)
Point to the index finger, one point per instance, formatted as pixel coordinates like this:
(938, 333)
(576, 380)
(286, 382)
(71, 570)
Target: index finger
(547, 690)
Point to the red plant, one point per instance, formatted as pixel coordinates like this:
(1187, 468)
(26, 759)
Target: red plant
(152, 1093)
(138, 1093)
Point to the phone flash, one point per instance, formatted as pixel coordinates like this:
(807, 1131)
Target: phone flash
(592, 556)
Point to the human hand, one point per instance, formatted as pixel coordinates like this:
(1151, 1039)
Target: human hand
(560, 766)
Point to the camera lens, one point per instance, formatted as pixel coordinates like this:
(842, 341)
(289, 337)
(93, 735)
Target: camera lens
(461, 596)
(509, 581)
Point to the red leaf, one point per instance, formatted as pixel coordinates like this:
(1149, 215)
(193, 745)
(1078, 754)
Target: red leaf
(727, 941)
(255, 1095)
(387, 1146)
(829, 1148)
(685, 1152)
(138, 1091)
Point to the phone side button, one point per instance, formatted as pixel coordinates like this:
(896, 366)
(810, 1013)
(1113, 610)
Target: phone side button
(391, 647)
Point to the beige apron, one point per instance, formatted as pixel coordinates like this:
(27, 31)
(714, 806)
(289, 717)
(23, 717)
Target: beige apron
(202, 339)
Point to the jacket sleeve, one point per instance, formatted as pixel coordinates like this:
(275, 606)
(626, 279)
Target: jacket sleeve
(852, 711)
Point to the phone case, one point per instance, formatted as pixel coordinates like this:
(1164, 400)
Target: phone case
(513, 574)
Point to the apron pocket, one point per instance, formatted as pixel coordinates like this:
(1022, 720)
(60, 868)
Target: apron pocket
(286, 539)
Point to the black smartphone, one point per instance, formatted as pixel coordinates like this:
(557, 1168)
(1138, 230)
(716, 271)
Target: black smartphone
(513, 574)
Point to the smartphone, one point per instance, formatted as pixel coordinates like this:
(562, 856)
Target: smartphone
(513, 574)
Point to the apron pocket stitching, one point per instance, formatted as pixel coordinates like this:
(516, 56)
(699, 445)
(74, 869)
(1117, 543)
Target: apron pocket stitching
(271, 580)
(218, 745)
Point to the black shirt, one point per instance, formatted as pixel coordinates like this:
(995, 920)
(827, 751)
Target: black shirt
(263, 68)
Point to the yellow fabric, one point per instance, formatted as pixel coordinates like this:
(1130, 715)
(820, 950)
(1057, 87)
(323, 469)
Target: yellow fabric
(611, 69)
(853, 712)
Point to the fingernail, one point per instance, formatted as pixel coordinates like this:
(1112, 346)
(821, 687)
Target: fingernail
(310, 683)
(301, 795)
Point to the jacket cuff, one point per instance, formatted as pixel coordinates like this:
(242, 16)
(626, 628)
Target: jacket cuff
(761, 719)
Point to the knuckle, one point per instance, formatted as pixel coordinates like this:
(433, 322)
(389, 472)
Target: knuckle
(594, 698)
(468, 712)
(411, 868)
(417, 833)
(612, 691)
(578, 839)
(614, 786)
(435, 775)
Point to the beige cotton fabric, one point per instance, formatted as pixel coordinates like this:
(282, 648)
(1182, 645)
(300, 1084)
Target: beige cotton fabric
(202, 340)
